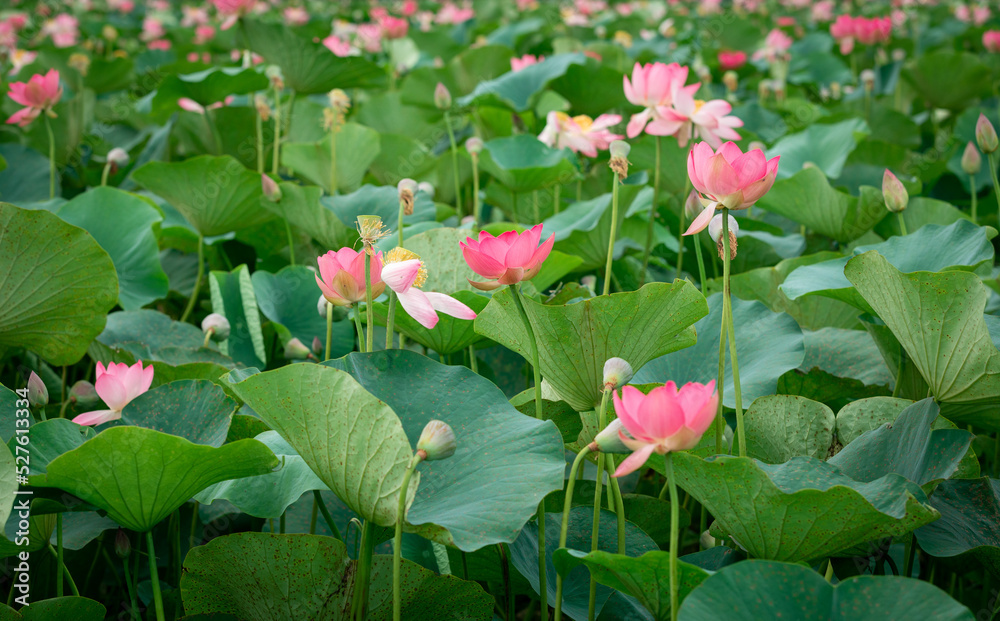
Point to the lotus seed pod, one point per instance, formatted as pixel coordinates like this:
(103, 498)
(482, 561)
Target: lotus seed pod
(715, 232)
(217, 325)
(437, 441)
(474, 146)
(118, 157)
(619, 148)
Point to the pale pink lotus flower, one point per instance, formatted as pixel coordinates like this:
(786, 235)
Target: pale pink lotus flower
(580, 134)
(451, 13)
(590, 7)
(822, 11)
(842, 31)
(152, 28)
(686, 116)
(369, 38)
(117, 385)
(203, 34)
(507, 259)
(191, 105)
(8, 35)
(338, 46)
(976, 15)
(20, 59)
(991, 40)
(404, 277)
(663, 421)
(393, 27)
(17, 20)
(122, 6)
(775, 48)
(516, 64)
(39, 94)
(409, 8)
(232, 10)
(728, 178)
(159, 44)
(652, 85)
(874, 30)
(341, 276)
(193, 15)
(296, 16)
(63, 29)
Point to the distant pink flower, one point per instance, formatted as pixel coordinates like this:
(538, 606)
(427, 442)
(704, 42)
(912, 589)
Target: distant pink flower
(394, 27)
(579, 134)
(590, 7)
(663, 421)
(409, 8)
(732, 60)
(39, 94)
(63, 29)
(508, 259)
(785, 21)
(152, 28)
(296, 16)
(404, 277)
(8, 35)
(991, 40)
(232, 10)
(193, 106)
(193, 15)
(370, 37)
(775, 48)
(728, 178)
(337, 46)
(159, 44)
(117, 385)
(976, 15)
(516, 64)
(872, 31)
(21, 58)
(450, 13)
(203, 34)
(341, 276)
(687, 116)
(652, 85)
(122, 6)
(17, 20)
(822, 11)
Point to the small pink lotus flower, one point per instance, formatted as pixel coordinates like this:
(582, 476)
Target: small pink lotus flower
(405, 276)
(20, 59)
(393, 27)
(651, 86)
(507, 259)
(842, 31)
(580, 134)
(451, 13)
(117, 385)
(341, 276)
(728, 178)
(687, 116)
(775, 48)
(63, 29)
(338, 46)
(730, 61)
(516, 64)
(191, 105)
(296, 16)
(663, 421)
(203, 34)
(991, 40)
(232, 10)
(39, 94)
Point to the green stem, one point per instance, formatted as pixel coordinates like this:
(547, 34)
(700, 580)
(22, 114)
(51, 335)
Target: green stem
(598, 489)
(363, 575)
(397, 541)
(329, 330)
(993, 174)
(154, 577)
(611, 237)
(652, 214)
(701, 265)
(720, 384)
(369, 308)
(291, 243)
(197, 279)
(911, 551)
(731, 337)
(454, 165)
(616, 492)
(361, 330)
(902, 223)
(390, 322)
(133, 604)
(476, 205)
(63, 401)
(213, 130)
(399, 224)
(543, 592)
(680, 244)
(534, 206)
(975, 198)
(281, 523)
(333, 159)
(828, 576)
(564, 529)
(473, 362)
(276, 145)
(556, 200)
(313, 517)
(52, 157)
(508, 585)
(61, 566)
(258, 133)
(208, 337)
(194, 524)
(675, 521)
(318, 499)
(105, 173)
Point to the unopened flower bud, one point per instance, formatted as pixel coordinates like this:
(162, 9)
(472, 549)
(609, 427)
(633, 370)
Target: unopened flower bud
(271, 190)
(590, 282)
(442, 97)
(217, 326)
(427, 188)
(617, 373)
(263, 108)
(407, 189)
(295, 350)
(692, 205)
(317, 347)
(986, 135)
(109, 33)
(118, 157)
(609, 440)
(972, 162)
(38, 394)
(474, 146)
(893, 192)
(437, 441)
(83, 393)
(715, 232)
(731, 79)
(273, 73)
(123, 547)
(321, 306)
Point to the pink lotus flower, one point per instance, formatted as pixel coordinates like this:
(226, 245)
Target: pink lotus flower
(822, 11)
(775, 48)
(652, 85)
(404, 277)
(39, 94)
(729, 61)
(370, 37)
(341, 276)
(663, 421)
(580, 134)
(296, 16)
(507, 259)
(232, 10)
(203, 34)
(20, 59)
(977, 15)
(193, 15)
(64, 30)
(991, 40)
(516, 64)
(450, 13)
(872, 31)
(152, 28)
(393, 27)
(709, 121)
(117, 385)
(409, 8)
(338, 46)
(191, 105)
(728, 178)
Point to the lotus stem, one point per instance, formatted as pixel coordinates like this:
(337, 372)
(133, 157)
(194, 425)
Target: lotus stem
(611, 237)
(397, 541)
(975, 199)
(652, 213)
(390, 322)
(288, 233)
(534, 206)
(369, 310)
(360, 328)
(104, 174)
(333, 158)
(701, 265)
(52, 158)
(276, 146)
(476, 204)
(564, 529)
(556, 201)
(993, 175)
(60, 564)
(133, 603)
(197, 279)
(399, 224)
(259, 135)
(902, 223)
(329, 330)
(318, 498)
(154, 577)
(720, 419)
(675, 522)
(359, 604)
(454, 164)
(727, 314)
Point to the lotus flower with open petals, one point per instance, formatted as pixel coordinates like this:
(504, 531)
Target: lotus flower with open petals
(117, 385)
(508, 259)
(728, 178)
(405, 276)
(341, 276)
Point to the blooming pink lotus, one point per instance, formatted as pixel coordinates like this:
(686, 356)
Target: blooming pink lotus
(991, 40)
(232, 10)
(451, 13)
(728, 178)
(63, 29)
(507, 259)
(775, 48)
(732, 60)
(404, 277)
(846, 30)
(516, 64)
(186, 103)
(341, 276)
(39, 94)
(708, 120)
(393, 27)
(651, 86)
(295, 16)
(580, 134)
(203, 34)
(663, 421)
(117, 385)
(338, 46)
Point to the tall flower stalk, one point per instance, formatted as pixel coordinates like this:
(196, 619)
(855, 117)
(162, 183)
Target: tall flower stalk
(619, 169)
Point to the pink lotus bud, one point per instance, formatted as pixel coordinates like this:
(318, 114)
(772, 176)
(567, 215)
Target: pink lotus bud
(894, 193)
(972, 162)
(271, 190)
(442, 97)
(38, 394)
(437, 441)
(986, 135)
(118, 157)
(617, 373)
(83, 393)
(123, 547)
(295, 350)
(216, 325)
(317, 347)
(474, 146)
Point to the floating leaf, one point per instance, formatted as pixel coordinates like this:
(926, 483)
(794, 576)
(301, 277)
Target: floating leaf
(948, 79)
(451, 335)
(524, 163)
(153, 337)
(516, 90)
(76, 608)
(826, 147)
(357, 147)
(780, 427)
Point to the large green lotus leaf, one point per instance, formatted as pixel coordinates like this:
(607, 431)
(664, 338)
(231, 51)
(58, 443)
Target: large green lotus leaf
(591, 89)
(123, 225)
(381, 201)
(766, 590)
(576, 583)
(28, 182)
(968, 532)
(262, 577)
(807, 198)
(524, 163)
(938, 320)
(516, 90)
(267, 495)
(8, 413)
(300, 205)
(451, 335)
(959, 246)
(206, 87)
(908, 382)
(774, 512)
(645, 578)
(921, 211)
(151, 336)
(50, 439)
(353, 442)
(826, 147)
(233, 297)
(8, 482)
(907, 447)
(584, 227)
(768, 345)
(76, 608)
(216, 195)
(948, 79)
(56, 285)
(847, 354)
(575, 340)
(307, 67)
(447, 271)
(289, 299)
(454, 505)
(117, 469)
(780, 427)
(196, 410)
(357, 148)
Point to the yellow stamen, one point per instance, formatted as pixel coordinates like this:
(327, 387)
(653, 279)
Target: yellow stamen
(583, 121)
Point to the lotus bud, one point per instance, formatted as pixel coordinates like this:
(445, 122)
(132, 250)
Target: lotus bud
(442, 97)
(835, 90)
(295, 350)
(271, 190)
(216, 326)
(117, 158)
(986, 135)
(972, 162)
(715, 232)
(407, 189)
(894, 193)
(427, 188)
(83, 393)
(693, 206)
(38, 394)
(80, 62)
(437, 441)
(608, 441)
(617, 373)
(898, 55)
(731, 79)
(474, 146)
(273, 73)
(321, 306)
(263, 108)
(123, 547)
(110, 33)
(619, 154)
(590, 282)
(868, 80)
(317, 347)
